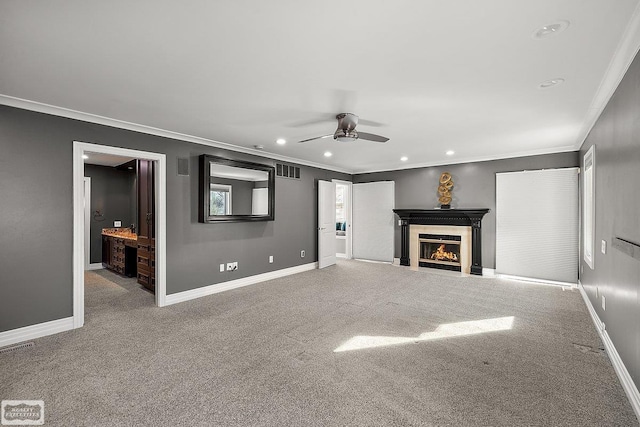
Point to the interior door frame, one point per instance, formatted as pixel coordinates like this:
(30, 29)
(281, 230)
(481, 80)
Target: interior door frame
(349, 235)
(79, 149)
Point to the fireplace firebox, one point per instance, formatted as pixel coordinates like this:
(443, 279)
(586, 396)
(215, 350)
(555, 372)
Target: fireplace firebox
(440, 251)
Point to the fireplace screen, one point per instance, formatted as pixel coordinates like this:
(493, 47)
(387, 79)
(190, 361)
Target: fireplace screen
(440, 251)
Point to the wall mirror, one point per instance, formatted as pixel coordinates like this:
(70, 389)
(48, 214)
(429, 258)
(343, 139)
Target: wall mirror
(234, 190)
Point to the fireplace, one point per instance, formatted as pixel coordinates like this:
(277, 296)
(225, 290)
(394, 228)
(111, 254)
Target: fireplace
(448, 222)
(440, 251)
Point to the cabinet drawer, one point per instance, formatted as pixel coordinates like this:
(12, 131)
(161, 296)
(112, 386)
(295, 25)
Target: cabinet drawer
(147, 280)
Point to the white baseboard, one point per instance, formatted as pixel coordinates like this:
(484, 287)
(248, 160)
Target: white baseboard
(536, 281)
(341, 256)
(489, 272)
(238, 283)
(95, 266)
(15, 336)
(618, 365)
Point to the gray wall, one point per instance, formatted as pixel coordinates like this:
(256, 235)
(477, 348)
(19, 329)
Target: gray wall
(616, 136)
(475, 187)
(36, 214)
(112, 195)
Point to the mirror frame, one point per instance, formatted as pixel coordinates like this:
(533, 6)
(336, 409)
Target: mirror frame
(205, 178)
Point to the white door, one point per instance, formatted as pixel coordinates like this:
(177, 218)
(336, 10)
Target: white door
(326, 223)
(373, 221)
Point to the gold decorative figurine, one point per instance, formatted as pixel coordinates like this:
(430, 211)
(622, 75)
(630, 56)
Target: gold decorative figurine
(444, 190)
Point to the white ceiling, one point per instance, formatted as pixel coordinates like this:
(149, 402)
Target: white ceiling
(103, 159)
(459, 75)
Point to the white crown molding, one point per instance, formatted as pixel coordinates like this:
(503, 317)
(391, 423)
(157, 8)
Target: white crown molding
(238, 283)
(15, 336)
(121, 124)
(40, 107)
(618, 365)
(564, 149)
(622, 58)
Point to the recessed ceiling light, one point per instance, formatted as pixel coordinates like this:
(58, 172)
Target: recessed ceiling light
(281, 141)
(450, 153)
(550, 30)
(550, 83)
(84, 156)
(404, 158)
(328, 154)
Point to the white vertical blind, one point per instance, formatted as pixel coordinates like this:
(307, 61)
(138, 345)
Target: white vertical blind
(537, 224)
(260, 201)
(373, 221)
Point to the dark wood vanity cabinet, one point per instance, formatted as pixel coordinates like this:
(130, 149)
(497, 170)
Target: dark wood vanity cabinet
(117, 256)
(106, 251)
(146, 254)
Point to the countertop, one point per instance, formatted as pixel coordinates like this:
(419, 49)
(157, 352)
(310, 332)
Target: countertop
(123, 233)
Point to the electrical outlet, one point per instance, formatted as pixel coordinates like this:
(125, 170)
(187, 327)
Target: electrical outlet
(302, 254)
(229, 266)
(270, 259)
(603, 248)
(117, 224)
(221, 268)
(604, 306)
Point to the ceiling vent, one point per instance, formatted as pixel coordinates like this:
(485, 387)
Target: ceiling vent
(287, 171)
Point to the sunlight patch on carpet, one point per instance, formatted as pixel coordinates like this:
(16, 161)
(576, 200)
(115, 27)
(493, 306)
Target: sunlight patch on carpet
(447, 330)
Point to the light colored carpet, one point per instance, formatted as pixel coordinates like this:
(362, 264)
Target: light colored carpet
(264, 355)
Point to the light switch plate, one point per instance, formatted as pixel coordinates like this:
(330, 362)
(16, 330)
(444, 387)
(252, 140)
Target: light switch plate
(270, 259)
(221, 268)
(603, 248)
(117, 224)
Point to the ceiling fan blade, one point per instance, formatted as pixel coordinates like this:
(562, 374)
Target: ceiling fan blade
(321, 118)
(317, 137)
(372, 137)
(369, 123)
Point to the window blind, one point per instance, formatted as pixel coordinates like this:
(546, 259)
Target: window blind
(373, 221)
(537, 224)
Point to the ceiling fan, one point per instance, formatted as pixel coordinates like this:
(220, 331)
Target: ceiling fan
(346, 132)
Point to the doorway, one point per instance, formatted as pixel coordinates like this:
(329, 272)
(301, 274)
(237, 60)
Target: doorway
(81, 149)
(88, 265)
(343, 219)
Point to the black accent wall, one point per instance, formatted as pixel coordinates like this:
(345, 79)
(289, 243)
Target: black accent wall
(616, 136)
(36, 283)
